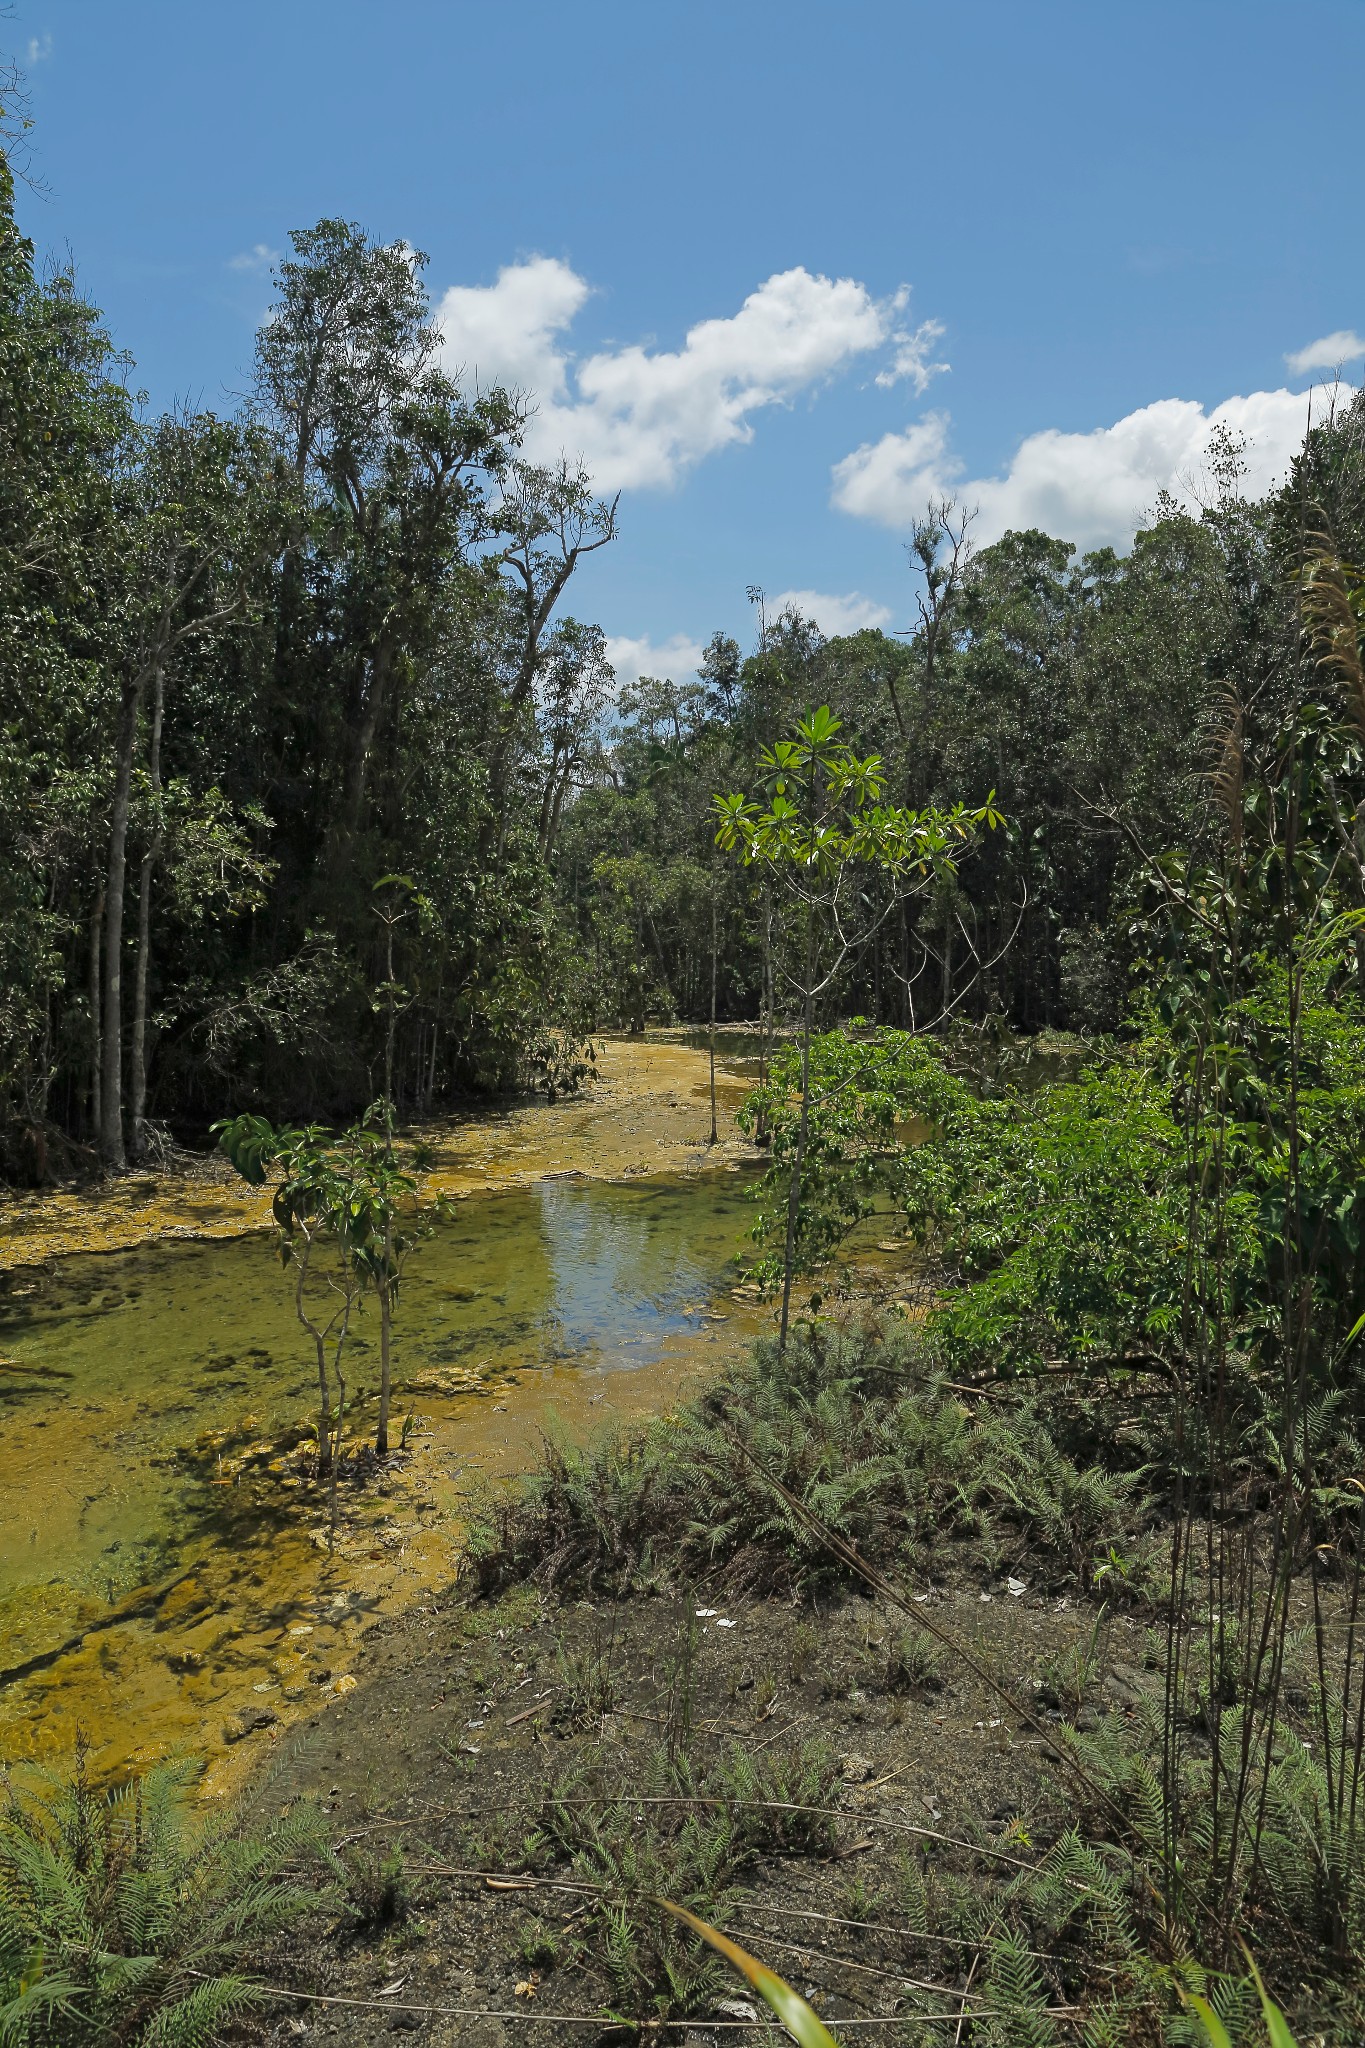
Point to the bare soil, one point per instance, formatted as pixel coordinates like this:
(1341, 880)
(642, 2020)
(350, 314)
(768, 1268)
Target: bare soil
(460, 1727)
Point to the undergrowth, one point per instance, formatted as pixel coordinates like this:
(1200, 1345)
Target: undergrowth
(877, 1446)
(688, 1829)
(122, 1922)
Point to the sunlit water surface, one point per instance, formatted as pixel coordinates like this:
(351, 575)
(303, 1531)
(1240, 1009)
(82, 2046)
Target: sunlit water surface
(597, 1296)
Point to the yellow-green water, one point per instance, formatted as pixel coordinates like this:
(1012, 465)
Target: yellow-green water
(146, 1591)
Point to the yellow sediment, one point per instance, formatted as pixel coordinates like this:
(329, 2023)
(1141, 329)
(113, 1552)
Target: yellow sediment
(263, 1617)
(647, 1112)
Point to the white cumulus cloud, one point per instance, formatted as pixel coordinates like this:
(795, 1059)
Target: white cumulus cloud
(506, 332)
(833, 614)
(913, 355)
(892, 480)
(639, 416)
(673, 658)
(39, 49)
(1090, 488)
(1327, 353)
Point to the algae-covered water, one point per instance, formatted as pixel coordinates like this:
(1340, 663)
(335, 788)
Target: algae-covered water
(146, 1590)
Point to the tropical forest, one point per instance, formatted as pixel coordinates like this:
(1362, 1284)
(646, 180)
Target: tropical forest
(682, 1334)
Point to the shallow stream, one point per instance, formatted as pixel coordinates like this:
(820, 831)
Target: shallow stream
(151, 1587)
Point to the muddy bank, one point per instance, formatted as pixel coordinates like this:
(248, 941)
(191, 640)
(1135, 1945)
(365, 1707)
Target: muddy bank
(648, 1112)
(471, 1718)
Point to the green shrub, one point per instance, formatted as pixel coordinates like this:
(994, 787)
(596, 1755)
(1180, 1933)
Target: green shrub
(850, 1422)
(123, 1922)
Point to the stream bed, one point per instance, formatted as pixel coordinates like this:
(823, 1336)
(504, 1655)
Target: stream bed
(153, 1592)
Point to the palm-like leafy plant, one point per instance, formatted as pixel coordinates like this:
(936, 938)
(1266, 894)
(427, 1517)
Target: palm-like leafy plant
(123, 1922)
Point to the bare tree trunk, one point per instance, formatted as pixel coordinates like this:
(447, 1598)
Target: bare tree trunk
(713, 1010)
(803, 1131)
(111, 1077)
(381, 1435)
(357, 776)
(435, 1042)
(319, 1337)
(93, 999)
(137, 1064)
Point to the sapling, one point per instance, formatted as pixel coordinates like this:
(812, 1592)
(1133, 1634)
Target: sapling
(823, 819)
(349, 1195)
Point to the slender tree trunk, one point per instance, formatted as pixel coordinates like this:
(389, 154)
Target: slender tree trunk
(713, 1011)
(357, 774)
(765, 1008)
(111, 1078)
(435, 1041)
(335, 1459)
(138, 1052)
(946, 1001)
(319, 1337)
(381, 1439)
(803, 1129)
(93, 998)
(381, 1435)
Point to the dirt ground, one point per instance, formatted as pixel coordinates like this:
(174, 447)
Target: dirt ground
(648, 1111)
(464, 1720)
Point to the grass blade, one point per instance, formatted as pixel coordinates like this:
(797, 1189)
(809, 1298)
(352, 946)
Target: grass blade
(1215, 2033)
(800, 2020)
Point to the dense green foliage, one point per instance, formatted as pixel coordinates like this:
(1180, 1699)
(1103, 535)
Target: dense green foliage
(874, 1447)
(307, 778)
(1131, 1361)
(288, 718)
(121, 1921)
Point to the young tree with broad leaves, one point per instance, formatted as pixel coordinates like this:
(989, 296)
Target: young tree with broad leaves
(820, 824)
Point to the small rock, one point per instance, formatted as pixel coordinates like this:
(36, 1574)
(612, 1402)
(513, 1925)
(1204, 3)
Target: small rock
(1124, 1684)
(856, 1769)
(247, 1721)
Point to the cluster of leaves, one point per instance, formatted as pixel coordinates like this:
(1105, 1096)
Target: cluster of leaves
(1080, 1222)
(869, 1444)
(867, 1088)
(121, 1921)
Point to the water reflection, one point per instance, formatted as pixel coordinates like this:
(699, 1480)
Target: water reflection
(114, 1363)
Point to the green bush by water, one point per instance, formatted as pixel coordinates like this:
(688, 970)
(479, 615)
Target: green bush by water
(867, 1437)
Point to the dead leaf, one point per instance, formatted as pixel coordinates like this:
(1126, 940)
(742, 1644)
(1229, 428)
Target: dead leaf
(737, 2009)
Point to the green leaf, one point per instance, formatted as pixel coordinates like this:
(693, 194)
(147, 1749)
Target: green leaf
(803, 2024)
(1215, 2032)
(1276, 2025)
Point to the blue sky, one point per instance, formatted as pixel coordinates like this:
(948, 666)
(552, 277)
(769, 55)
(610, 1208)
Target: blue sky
(734, 243)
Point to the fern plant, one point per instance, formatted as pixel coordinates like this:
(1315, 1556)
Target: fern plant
(121, 1921)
